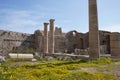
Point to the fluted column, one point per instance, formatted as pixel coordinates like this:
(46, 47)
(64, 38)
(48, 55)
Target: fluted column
(51, 36)
(94, 50)
(46, 38)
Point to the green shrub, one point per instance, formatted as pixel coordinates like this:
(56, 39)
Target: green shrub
(102, 61)
(87, 76)
(55, 70)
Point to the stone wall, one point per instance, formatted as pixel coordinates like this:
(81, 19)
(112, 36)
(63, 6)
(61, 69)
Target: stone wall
(58, 31)
(10, 40)
(64, 42)
(60, 40)
(38, 40)
(74, 40)
(60, 43)
(104, 42)
(104, 37)
(86, 40)
(115, 44)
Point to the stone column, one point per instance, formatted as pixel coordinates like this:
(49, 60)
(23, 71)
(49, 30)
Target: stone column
(45, 38)
(51, 36)
(94, 50)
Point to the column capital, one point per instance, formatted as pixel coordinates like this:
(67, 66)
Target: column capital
(52, 20)
(45, 23)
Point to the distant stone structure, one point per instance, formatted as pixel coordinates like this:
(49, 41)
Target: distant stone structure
(92, 43)
(74, 40)
(115, 44)
(64, 43)
(58, 31)
(38, 40)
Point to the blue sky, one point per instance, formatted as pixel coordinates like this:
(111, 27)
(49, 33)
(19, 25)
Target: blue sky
(29, 15)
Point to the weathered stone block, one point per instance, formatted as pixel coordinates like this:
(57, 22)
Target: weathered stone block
(115, 44)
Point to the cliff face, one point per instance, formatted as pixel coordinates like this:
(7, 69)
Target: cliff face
(10, 40)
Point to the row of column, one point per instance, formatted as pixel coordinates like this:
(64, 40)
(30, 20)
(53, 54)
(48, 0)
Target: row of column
(94, 50)
(51, 37)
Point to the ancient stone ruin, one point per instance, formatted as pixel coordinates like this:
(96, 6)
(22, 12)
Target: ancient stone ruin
(93, 43)
(115, 44)
(70, 42)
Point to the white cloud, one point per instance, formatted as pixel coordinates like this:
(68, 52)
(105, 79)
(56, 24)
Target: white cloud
(19, 20)
(114, 28)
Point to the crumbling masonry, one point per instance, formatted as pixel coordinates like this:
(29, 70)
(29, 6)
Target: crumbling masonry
(93, 43)
(64, 42)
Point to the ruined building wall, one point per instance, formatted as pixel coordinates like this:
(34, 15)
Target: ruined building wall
(81, 41)
(115, 44)
(74, 40)
(60, 44)
(10, 40)
(58, 31)
(104, 42)
(38, 40)
(60, 40)
(86, 40)
(67, 42)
